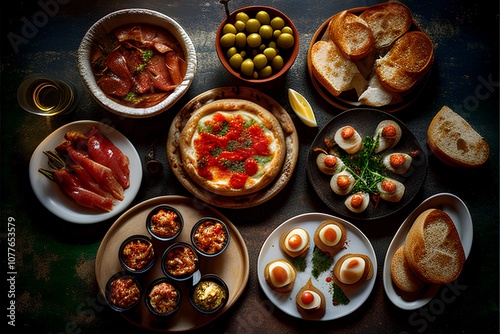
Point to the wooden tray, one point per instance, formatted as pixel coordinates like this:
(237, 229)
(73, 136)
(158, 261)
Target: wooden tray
(245, 93)
(133, 222)
(349, 99)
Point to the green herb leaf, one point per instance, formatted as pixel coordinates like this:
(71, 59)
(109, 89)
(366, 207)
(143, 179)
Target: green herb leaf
(321, 262)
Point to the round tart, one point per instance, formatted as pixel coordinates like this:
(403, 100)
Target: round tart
(232, 147)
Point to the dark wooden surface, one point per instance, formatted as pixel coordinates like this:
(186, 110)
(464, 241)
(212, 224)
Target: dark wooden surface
(55, 288)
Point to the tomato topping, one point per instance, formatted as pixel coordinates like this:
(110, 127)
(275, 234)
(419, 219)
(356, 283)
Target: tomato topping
(353, 263)
(343, 181)
(397, 160)
(330, 160)
(347, 132)
(279, 273)
(356, 200)
(330, 234)
(251, 167)
(238, 180)
(227, 146)
(389, 132)
(295, 241)
(307, 298)
(388, 186)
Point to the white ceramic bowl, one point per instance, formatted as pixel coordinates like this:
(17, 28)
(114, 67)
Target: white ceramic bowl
(126, 16)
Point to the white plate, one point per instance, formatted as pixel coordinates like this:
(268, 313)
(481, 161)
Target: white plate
(458, 212)
(49, 194)
(357, 242)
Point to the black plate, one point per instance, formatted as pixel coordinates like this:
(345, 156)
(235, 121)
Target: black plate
(365, 120)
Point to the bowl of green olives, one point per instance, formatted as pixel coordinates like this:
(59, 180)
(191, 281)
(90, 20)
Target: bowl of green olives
(257, 44)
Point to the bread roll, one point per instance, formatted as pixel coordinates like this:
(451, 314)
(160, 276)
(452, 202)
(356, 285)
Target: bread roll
(455, 142)
(401, 274)
(433, 248)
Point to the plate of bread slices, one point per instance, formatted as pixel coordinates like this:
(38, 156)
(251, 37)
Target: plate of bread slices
(374, 56)
(428, 251)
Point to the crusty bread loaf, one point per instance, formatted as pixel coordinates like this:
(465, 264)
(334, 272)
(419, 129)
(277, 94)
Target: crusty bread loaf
(331, 68)
(406, 62)
(351, 34)
(452, 139)
(433, 248)
(388, 22)
(401, 274)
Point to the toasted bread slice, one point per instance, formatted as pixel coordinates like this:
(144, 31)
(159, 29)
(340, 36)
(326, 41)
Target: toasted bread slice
(351, 34)
(453, 140)
(331, 68)
(406, 62)
(388, 22)
(433, 248)
(401, 274)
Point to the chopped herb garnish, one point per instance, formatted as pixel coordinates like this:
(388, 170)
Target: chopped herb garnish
(147, 55)
(365, 166)
(321, 262)
(338, 296)
(299, 263)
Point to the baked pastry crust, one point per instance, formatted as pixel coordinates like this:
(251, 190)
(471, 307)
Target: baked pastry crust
(217, 176)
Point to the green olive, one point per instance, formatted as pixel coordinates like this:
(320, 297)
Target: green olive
(287, 29)
(263, 17)
(239, 25)
(254, 40)
(270, 53)
(227, 40)
(232, 50)
(247, 67)
(277, 63)
(235, 61)
(241, 40)
(276, 33)
(266, 31)
(260, 60)
(229, 28)
(252, 25)
(242, 16)
(285, 40)
(266, 72)
(277, 23)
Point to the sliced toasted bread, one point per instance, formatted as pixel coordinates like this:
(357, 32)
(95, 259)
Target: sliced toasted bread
(401, 274)
(433, 248)
(351, 34)
(331, 68)
(406, 62)
(453, 140)
(388, 22)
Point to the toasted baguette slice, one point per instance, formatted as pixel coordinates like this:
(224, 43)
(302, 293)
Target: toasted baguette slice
(455, 142)
(331, 68)
(351, 34)
(406, 62)
(433, 248)
(388, 22)
(401, 274)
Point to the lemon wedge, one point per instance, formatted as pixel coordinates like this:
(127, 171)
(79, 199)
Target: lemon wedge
(302, 108)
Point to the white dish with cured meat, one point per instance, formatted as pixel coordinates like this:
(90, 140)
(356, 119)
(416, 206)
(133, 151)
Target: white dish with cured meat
(459, 213)
(61, 205)
(356, 243)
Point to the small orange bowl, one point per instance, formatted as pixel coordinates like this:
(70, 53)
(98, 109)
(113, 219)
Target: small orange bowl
(289, 54)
